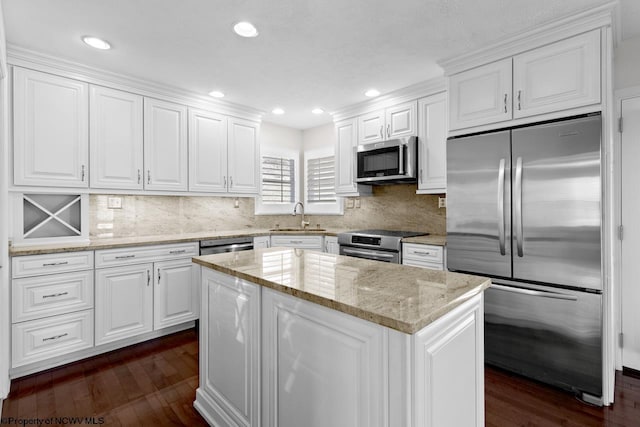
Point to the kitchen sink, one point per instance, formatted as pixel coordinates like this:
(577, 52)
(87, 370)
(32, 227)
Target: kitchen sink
(301, 230)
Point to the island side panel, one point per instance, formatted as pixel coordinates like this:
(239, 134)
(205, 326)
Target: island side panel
(321, 367)
(229, 390)
(449, 369)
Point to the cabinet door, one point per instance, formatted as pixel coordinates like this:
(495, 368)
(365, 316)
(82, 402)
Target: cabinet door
(331, 245)
(371, 127)
(480, 96)
(346, 140)
(51, 130)
(347, 386)
(115, 139)
(165, 146)
(558, 76)
(230, 349)
(261, 242)
(176, 296)
(207, 151)
(243, 156)
(124, 302)
(432, 144)
(401, 120)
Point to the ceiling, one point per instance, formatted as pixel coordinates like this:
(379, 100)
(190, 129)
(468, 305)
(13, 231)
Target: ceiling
(308, 54)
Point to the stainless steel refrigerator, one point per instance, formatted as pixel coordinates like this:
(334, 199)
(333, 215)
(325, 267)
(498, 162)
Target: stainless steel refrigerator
(524, 207)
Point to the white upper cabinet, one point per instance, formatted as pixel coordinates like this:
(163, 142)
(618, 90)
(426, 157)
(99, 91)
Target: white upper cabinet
(346, 141)
(115, 139)
(393, 122)
(559, 76)
(50, 130)
(481, 95)
(243, 156)
(432, 144)
(207, 151)
(165, 146)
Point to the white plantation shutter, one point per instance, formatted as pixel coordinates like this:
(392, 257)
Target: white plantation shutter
(321, 180)
(278, 180)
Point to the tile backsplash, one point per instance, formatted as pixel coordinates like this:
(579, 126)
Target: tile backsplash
(394, 207)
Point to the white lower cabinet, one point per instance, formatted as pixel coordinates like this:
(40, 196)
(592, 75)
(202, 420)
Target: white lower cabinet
(176, 298)
(331, 245)
(124, 302)
(261, 242)
(302, 242)
(302, 385)
(426, 256)
(229, 392)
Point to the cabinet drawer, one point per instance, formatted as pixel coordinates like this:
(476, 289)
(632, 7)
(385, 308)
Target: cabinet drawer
(423, 264)
(42, 296)
(428, 253)
(303, 242)
(42, 339)
(142, 254)
(37, 265)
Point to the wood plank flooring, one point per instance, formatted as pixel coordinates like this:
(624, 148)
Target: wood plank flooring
(153, 384)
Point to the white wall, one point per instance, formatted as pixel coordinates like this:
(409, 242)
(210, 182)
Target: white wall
(4, 257)
(319, 137)
(626, 63)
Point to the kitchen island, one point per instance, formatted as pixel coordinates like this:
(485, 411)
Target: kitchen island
(290, 337)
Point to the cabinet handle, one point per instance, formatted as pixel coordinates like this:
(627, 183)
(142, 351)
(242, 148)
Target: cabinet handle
(139, 176)
(82, 173)
(50, 264)
(148, 176)
(296, 241)
(125, 256)
(55, 337)
(225, 182)
(181, 251)
(388, 131)
(420, 176)
(381, 134)
(422, 253)
(519, 106)
(148, 278)
(55, 295)
(230, 182)
(505, 102)
(158, 276)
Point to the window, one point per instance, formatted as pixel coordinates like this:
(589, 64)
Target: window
(320, 187)
(278, 180)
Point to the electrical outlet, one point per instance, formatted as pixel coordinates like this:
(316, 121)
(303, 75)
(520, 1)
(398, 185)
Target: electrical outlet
(349, 203)
(442, 202)
(236, 203)
(114, 202)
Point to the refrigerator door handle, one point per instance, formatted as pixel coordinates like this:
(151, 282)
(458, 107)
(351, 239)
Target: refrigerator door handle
(501, 219)
(517, 206)
(553, 295)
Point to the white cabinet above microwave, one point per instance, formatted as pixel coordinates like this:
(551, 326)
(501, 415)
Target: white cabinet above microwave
(393, 122)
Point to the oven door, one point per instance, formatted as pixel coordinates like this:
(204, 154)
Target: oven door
(384, 256)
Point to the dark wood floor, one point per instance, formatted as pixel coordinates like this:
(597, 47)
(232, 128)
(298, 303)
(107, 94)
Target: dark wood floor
(153, 384)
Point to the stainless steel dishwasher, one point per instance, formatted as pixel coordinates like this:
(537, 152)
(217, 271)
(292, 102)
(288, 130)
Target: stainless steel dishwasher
(232, 244)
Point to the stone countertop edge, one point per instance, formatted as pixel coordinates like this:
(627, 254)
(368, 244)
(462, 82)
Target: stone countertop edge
(123, 242)
(409, 328)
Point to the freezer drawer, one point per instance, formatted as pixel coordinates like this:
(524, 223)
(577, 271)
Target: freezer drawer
(549, 334)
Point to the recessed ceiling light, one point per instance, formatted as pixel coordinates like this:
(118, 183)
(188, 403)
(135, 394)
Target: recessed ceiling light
(96, 42)
(245, 29)
(277, 111)
(216, 94)
(372, 93)
(317, 111)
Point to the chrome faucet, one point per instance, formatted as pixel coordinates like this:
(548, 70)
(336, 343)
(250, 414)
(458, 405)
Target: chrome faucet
(303, 223)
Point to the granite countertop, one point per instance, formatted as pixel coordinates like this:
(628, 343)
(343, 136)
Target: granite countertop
(396, 296)
(431, 239)
(120, 242)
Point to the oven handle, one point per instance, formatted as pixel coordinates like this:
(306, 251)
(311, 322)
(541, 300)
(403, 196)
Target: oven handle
(367, 254)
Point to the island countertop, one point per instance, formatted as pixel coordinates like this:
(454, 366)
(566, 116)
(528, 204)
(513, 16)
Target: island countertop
(397, 296)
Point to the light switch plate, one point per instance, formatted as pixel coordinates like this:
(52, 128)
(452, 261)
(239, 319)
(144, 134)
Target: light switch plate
(114, 202)
(349, 203)
(442, 202)
(358, 203)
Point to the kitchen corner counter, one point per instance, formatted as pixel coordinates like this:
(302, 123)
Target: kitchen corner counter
(431, 239)
(121, 242)
(396, 296)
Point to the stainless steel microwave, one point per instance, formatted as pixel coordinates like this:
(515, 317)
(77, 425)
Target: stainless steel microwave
(387, 162)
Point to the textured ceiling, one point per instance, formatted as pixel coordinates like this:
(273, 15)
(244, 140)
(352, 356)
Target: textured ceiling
(322, 53)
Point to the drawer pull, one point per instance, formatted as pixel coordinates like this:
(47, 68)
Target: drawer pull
(125, 256)
(55, 295)
(55, 337)
(296, 241)
(181, 251)
(50, 264)
(422, 253)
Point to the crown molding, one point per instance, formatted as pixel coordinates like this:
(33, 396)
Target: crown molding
(602, 16)
(409, 93)
(21, 57)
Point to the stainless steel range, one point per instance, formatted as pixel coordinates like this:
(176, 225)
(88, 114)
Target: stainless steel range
(378, 245)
